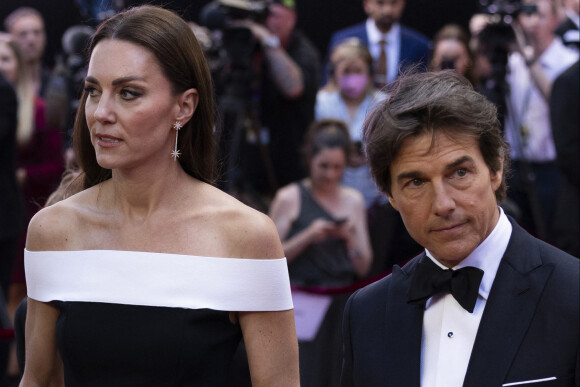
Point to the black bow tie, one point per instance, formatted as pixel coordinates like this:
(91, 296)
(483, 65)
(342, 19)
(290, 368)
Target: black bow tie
(429, 279)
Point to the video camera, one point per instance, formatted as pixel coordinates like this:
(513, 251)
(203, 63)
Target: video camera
(216, 14)
(503, 13)
(232, 46)
(509, 8)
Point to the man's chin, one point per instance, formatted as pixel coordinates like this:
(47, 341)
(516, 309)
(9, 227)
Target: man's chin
(384, 25)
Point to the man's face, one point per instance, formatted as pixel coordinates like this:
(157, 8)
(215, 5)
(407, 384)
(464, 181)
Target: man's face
(444, 191)
(384, 12)
(28, 32)
(539, 26)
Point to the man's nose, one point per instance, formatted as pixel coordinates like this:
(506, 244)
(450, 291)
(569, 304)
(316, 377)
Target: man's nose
(443, 201)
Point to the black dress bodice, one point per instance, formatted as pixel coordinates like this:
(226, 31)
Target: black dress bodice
(124, 345)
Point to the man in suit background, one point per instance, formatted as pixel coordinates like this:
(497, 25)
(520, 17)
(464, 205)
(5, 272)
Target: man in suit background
(402, 46)
(486, 304)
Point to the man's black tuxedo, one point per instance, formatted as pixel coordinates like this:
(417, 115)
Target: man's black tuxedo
(529, 329)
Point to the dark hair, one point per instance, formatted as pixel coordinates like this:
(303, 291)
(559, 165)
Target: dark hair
(181, 58)
(324, 134)
(423, 103)
(457, 33)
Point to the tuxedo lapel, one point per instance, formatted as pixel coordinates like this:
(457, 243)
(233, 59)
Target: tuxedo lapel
(404, 323)
(509, 310)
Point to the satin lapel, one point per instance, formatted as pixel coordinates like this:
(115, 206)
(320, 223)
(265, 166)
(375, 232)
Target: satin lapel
(510, 308)
(404, 325)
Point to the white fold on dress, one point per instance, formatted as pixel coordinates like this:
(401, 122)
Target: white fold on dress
(158, 279)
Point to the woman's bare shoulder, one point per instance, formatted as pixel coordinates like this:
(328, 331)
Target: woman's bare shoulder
(54, 227)
(247, 232)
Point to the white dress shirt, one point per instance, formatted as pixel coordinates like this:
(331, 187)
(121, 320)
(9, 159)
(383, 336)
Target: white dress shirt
(528, 108)
(393, 49)
(449, 330)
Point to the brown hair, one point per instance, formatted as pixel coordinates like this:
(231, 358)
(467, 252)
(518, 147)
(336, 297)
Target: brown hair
(181, 58)
(324, 134)
(423, 103)
(457, 33)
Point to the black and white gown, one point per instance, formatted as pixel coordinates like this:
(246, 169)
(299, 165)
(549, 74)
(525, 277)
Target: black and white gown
(150, 319)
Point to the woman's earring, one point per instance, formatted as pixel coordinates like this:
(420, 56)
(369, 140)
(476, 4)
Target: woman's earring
(176, 153)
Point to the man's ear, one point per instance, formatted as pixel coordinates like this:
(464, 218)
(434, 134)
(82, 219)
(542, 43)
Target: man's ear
(187, 103)
(393, 202)
(497, 177)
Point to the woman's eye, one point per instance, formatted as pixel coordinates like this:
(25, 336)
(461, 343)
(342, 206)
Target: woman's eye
(129, 94)
(91, 91)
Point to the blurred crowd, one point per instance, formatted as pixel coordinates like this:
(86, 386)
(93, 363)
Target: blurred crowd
(289, 132)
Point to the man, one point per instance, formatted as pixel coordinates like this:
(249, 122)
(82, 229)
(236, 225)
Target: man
(285, 91)
(435, 148)
(532, 68)
(26, 25)
(382, 33)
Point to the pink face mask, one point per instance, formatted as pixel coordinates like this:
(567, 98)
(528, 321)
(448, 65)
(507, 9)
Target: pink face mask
(353, 85)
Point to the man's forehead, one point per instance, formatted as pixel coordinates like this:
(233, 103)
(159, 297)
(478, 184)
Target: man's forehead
(26, 21)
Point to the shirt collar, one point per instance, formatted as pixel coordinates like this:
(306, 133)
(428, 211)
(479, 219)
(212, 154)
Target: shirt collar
(488, 254)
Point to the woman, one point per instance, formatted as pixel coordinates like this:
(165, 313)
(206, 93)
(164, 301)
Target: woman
(150, 275)
(323, 226)
(321, 222)
(348, 96)
(451, 51)
(39, 153)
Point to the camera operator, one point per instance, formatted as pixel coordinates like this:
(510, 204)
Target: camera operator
(538, 58)
(286, 68)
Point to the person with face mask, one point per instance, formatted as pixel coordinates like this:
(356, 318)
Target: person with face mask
(348, 96)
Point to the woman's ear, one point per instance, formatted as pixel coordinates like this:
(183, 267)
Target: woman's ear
(187, 103)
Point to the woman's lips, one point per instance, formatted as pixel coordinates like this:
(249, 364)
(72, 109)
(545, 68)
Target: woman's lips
(107, 141)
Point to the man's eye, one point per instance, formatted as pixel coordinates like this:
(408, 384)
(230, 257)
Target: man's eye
(416, 182)
(461, 172)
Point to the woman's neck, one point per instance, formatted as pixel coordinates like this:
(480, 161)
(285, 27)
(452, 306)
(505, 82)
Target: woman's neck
(140, 194)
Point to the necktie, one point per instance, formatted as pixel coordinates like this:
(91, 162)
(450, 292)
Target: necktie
(381, 69)
(429, 279)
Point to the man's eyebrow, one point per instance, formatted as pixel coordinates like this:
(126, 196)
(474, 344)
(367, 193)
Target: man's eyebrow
(419, 174)
(409, 175)
(459, 161)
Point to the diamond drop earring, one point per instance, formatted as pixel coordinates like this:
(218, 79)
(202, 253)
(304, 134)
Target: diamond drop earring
(175, 153)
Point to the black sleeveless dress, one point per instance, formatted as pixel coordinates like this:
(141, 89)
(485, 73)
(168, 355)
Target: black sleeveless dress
(115, 329)
(321, 264)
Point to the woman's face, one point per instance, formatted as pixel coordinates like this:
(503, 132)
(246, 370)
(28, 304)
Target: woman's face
(8, 62)
(327, 167)
(130, 107)
(451, 53)
(352, 77)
